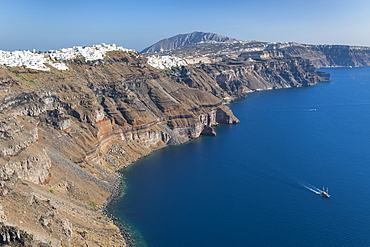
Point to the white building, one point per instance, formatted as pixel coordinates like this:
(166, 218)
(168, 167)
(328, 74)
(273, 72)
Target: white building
(33, 60)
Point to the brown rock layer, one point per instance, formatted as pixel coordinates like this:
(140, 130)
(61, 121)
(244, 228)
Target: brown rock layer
(236, 79)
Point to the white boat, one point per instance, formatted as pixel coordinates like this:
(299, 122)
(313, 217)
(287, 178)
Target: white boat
(325, 193)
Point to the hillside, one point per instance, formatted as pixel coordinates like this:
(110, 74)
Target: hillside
(183, 40)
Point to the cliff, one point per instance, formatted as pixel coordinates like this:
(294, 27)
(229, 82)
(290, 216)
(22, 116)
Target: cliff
(65, 133)
(235, 79)
(326, 55)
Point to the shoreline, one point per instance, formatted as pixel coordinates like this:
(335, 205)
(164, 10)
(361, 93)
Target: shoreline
(117, 189)
(119, 186)
(308, 197)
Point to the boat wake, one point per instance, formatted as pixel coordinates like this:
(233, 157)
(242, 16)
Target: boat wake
(276, 173)
(312, 188)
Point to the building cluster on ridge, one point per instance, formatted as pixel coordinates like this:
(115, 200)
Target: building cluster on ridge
(165, 62)
(38, 61)
(94, 52)
(30, 60)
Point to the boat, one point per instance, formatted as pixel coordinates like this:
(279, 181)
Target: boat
(325, 193)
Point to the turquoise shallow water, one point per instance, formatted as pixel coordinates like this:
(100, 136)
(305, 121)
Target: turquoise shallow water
(244, 187)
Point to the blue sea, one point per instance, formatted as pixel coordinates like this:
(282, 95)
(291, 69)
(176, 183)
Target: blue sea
(254, 183)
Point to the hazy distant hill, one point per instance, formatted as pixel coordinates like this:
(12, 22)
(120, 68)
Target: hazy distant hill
(183, 40)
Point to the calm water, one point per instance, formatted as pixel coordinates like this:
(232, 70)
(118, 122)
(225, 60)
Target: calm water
(244, 187)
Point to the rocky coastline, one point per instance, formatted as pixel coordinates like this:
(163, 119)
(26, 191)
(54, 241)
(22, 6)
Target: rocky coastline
(64, 134)
(117, 189)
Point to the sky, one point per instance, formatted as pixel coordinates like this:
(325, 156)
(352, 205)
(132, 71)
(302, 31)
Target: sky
(137, 24)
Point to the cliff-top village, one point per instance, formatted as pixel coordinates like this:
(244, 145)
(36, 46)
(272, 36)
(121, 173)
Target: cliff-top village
(37, 60)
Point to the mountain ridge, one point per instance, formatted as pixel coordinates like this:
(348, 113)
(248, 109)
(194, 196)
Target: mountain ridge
(183, 40)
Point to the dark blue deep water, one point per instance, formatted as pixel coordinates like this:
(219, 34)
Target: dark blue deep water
(244, 186)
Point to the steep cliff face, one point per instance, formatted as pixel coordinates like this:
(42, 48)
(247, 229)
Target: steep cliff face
(64, 134)
(343, 55)
(327, 55)
(239, 78)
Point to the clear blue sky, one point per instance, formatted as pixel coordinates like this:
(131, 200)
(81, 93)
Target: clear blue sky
(53, 24)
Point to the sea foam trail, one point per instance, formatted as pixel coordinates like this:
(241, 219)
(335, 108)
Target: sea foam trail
(314, 189)
(279, 175)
